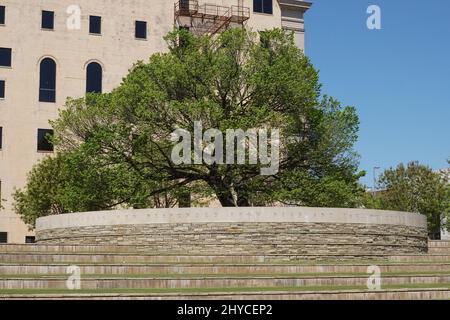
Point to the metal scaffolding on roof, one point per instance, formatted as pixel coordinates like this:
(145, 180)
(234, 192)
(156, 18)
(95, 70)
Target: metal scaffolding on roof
(209, 19)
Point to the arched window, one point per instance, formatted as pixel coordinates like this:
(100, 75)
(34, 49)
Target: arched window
(47, 82)
(94, 78)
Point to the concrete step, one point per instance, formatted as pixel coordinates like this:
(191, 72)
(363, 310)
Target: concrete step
(187, 269)
(30, 248)
(270, 246)
(65, 276)
(99, 258)
(124, 272)
(94, 258)
(218, 282)
(439, 247)
(438, 243)
(274, 247)
(270, 294)
(439, 250)
(421, 258)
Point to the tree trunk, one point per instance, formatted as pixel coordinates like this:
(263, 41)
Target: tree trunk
(436, 233)
(226, 199)
(243, 202)
(242, 198)
(184, 200)
(222, 188)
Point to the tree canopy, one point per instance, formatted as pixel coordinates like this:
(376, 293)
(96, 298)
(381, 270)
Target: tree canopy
(115, 148)
(416, 188)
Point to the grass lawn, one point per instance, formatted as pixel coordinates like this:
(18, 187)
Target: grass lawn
(149, 291)
(221, 275)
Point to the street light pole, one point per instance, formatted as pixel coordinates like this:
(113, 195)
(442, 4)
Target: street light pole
(374, 180)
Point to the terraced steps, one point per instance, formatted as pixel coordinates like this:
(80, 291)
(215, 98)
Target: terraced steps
(34, 257)
(123, 272)
(439, 251)
(421, 258)
(439, 247)
(29, 248)
(246, 281)
(188, 269)
(437, 292)
(219, 275)
(438, 243)
(113, 257)
(42, 248)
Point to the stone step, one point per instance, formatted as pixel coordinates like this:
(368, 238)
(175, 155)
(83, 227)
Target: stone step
(148, 258)
(421, 258)
(438, 243)
(319, 249)
(439, 250)
(187, 269)
(40, 248)
(30, 248)
(219, 282)
(12, 257)
(124, 258)
(273, 294)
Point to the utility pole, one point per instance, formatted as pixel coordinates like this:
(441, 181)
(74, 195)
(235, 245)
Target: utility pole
(374, 190)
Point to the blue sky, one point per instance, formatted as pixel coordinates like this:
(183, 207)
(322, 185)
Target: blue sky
(398, 77)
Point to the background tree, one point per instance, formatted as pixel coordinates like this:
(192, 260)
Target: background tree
(237, 80)
(446, 176)
(416, 188)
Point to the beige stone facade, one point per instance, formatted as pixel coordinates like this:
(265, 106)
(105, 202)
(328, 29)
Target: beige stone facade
(72, 49)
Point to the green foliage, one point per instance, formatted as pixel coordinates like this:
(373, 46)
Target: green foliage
(416, 188)
(78, 181)
(68, 183)
(39, 199)
(237, 80)
(371, 201)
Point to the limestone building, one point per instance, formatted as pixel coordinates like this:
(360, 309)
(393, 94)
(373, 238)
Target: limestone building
(54, 49)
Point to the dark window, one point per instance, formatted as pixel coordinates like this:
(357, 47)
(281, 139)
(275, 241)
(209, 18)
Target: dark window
(1, 140)
(184, 5)
(48, 20)
(94, 78)
(43, 143)
(2, 89)
(263, 6)
(47, 82)
(30, 239)
(95, 24)
(257, 6)
(267, 6)
(141, 30)
(5, 57)
(2, 14)
(3, 237)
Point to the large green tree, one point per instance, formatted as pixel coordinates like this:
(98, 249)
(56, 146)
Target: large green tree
(416, 188)
(74, 182)
(237, 80)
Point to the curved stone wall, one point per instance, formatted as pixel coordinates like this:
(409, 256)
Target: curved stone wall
(296, 231)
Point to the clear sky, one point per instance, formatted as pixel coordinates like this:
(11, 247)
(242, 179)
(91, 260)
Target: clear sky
(398, 77)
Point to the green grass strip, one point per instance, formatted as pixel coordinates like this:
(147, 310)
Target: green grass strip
(222, 275)
(37, 292)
